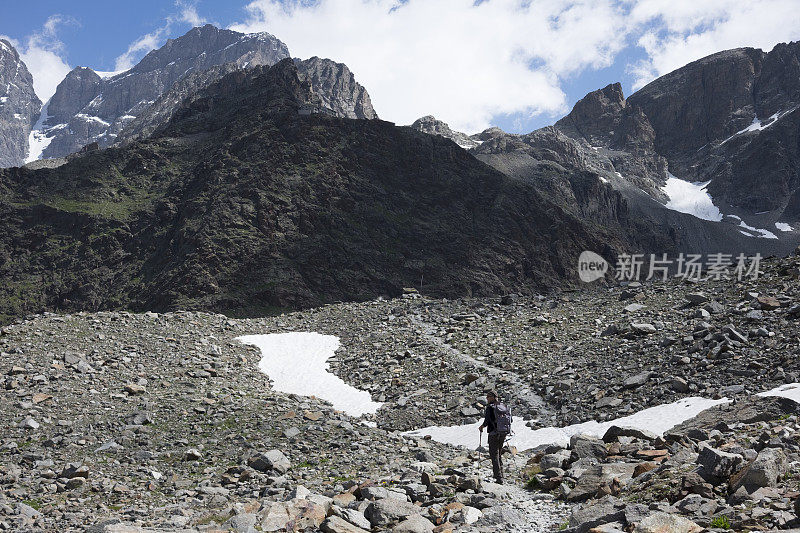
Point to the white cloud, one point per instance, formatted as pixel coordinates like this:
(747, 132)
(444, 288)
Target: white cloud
(462, 62)
(138, 48)
(681, 31)
(43, 53)
(186, 14)
(189, 15)
(467, 61)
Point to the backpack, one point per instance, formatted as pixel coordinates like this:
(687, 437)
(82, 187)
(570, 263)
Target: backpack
(502, 418)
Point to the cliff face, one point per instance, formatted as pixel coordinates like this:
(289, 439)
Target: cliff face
(337, 87)
(732, 118)
(19, 106)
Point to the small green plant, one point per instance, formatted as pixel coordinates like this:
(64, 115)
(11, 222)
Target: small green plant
(563, 526)
(532, 484)
(721, 522)
(36, 504)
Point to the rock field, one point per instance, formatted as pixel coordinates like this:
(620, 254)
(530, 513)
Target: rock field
(117, 422)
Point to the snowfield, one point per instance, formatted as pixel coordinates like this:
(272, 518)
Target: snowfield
(297, 363)
(655, 419)
(690, 198)
(38, 140)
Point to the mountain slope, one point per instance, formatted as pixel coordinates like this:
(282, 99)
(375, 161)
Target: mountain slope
(87, 108)
(19, 106)
(332, 83)
(243, 201)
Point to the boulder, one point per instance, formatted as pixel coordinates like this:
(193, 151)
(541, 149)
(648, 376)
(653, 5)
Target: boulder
(586, 516)
(764, 471)
(643, 328)
(695, 504)
(380, 513)
(598, 475)
(414, 524)
(679, 384)
(553, 460)
(637, 381)
(617, 431)
(584, 446)
(334, 524)
(660, 522)
(273, 460)
(717, 465)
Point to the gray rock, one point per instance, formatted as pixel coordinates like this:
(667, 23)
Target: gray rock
(269, 461)
(717, 464)
(661, 522)
(586, 446)
(696, 298)
(643, 328)
(617, 431)
(637, 381)
(586, 516)
(553, 460)
(356, 517)
(596, 476)
(242, 523)
(679, 384)
(334, 524)
(414, 524)
(764, 471)
(696, 505)
(383, 512)
(28, 423)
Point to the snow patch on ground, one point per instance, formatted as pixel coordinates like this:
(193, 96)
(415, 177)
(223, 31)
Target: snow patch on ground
(783, 226)
(38, 140)
(759, 125)
(655, 419)
(297, 363)
(91, 118)
(691, 198)
(762, 233)
(105, 74)
(790, 390)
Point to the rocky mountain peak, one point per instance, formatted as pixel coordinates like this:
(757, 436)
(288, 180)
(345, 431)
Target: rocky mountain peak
(87, 108)
(433, 126)
(604, 119)
(337, 87)
(333, 85)
(206, 46)
(75, 91)
(489, 134)
(19, 106)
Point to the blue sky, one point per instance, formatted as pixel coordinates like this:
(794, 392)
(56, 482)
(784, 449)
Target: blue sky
(519, 65)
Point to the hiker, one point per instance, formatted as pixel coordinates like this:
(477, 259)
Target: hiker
(497, 419)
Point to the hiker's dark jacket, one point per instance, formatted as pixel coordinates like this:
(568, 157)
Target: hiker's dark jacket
(489, 420)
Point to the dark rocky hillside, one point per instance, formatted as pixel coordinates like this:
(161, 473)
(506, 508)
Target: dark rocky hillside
(251, 198)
